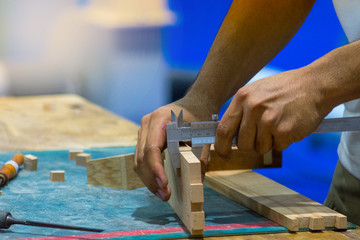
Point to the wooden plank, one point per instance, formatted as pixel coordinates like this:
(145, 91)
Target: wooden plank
(28, 124)
(274, 201)
(244, 160)
(187, 193)
(116, 172)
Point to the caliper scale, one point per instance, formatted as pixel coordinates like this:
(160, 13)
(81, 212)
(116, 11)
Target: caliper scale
(200, 133)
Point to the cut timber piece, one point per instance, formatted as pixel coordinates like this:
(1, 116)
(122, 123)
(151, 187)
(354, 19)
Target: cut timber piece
(187, 192)
(244, 160)
(82, 158)
(73, 153)
(57, 176)
(30, 162)
(115, 172)
(274, 201)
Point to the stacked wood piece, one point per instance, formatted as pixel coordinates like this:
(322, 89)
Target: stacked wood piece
(274, 201)
(187, 194)
(115, 172)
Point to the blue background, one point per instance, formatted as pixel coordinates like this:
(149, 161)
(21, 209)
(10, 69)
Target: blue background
(307, 166)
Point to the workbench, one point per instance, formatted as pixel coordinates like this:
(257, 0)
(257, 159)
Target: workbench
(48, 126)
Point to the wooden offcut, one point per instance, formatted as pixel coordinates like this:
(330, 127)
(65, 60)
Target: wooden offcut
(187, 194)
(82, 159)
(73, 153)
(274, 201)
(244, 160)
(116, 172)
(30, 162)
(57, 176)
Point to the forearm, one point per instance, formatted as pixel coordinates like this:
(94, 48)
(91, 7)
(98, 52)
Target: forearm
(338, 75)
(252, 33)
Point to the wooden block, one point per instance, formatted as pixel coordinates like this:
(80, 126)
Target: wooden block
(82, 159)
(187, 193)
(73, 153)
(0, 192)
(115, 172)
(57, 176)
(274, 201)
(30, 162)
(244, 160)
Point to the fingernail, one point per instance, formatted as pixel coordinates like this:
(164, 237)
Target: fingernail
(159, 182)
(160, 194)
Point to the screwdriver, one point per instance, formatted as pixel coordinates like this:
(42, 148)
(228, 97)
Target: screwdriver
(6, 220)
(10, 169)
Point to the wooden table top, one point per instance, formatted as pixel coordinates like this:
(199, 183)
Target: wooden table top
(68, 121)
(60, 122)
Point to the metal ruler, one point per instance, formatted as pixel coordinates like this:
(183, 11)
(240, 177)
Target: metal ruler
(200, 133)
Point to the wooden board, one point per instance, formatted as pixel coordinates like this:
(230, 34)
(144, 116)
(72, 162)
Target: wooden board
(244, 160)
(187, 193)
(274, 201)
(60, 122)
(115, 172)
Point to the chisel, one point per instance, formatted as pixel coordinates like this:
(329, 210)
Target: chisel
(6, 220)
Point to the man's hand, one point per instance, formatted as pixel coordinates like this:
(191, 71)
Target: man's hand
(272, 113)
(151, 142)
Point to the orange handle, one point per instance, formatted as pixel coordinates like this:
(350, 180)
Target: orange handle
(9, 169)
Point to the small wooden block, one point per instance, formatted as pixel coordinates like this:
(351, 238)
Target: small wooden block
(30, 162)
(0, 193)
(82, 158)
(57, 176)
(73, 153)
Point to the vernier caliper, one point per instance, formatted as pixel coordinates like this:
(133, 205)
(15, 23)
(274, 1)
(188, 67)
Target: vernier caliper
(200, 133)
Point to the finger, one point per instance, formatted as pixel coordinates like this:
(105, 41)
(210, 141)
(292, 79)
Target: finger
(227, 129)
(155, 143)
(137, 150)
(247, 132)
(205, 154)
(264, 139)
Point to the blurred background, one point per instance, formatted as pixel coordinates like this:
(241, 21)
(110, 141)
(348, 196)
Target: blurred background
(132, 56)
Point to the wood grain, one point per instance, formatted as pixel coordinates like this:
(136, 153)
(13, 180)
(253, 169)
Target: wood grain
(187, 193)
(116, 172)
(244, 160)
(26, 123)
(274, 201)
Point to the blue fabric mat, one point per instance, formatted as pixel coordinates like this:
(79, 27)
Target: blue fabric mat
(32, 196)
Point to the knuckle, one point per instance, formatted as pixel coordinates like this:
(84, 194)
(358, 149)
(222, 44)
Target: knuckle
(149, 149)
(244, 146)
(145, 119)
(241, 94)
(223, 130)
(268, 121)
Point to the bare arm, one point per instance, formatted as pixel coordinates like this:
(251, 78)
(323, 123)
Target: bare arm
(252, 33)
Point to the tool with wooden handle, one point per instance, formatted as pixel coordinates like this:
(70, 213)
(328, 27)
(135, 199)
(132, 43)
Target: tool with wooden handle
(200, 133)
(10, 169)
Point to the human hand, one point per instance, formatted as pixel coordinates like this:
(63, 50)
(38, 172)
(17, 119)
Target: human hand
(272, 113)
(151, 142)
